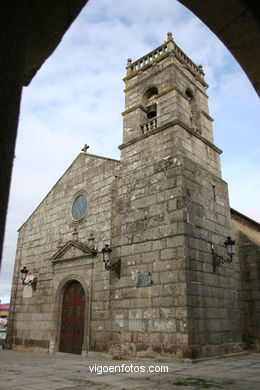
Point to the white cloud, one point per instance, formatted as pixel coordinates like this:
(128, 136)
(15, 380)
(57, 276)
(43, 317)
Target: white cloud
(77, 98)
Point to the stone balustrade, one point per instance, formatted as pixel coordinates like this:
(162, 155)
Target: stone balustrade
(159, 52)
(147, 59)
(149, 126)
(186, 60)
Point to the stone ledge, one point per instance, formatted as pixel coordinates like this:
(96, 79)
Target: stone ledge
(207, 116)
(131, 109)
(164, 127)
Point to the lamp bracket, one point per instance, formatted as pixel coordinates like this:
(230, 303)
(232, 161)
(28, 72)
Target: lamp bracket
(220, 259)
(217, 259)
(116, 267)
(32, 283)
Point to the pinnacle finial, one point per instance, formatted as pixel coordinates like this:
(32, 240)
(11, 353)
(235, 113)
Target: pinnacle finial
(129, 61)
(169, 36)
(201, 70)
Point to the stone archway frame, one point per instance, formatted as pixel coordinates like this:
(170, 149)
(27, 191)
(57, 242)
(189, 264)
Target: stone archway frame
(57, 309)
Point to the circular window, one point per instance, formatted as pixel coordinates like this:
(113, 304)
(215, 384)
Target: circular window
(79, 207)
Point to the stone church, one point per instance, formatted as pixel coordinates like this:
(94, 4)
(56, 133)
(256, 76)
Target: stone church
(129, 257)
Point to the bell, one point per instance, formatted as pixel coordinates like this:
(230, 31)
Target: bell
(151, 114)
(151, 111)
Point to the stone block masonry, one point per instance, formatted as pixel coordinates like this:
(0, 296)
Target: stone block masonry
(160, 209)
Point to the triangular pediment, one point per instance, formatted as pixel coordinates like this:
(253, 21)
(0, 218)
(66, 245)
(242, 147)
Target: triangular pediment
(72, 250)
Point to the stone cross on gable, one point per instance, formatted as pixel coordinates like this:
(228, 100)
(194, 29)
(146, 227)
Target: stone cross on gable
(85, 148)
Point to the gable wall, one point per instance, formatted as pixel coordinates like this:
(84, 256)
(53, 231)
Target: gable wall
(50, 227)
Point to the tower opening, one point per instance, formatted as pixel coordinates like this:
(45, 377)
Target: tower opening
(192, 108)
(151, 102)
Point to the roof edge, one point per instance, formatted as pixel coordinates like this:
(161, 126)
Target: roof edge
(236, 215)
(78, 156)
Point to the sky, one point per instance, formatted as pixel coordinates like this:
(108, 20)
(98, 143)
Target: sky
(77, 97)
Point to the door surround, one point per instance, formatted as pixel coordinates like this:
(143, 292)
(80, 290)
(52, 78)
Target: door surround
(57, 312)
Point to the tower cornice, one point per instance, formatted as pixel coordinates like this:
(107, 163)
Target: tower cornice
(139, 82)
(158, 54)
(166, 126)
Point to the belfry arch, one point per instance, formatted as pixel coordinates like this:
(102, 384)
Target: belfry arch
(150, 102)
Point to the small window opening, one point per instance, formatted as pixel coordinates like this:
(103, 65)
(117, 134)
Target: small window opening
(189, 94)
(192, 109)
(214, 192)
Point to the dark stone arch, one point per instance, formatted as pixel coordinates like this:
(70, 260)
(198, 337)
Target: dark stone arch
(150, 102)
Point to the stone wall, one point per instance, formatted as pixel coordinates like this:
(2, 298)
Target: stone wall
(147, 232)
(247, 234)
(34, 321)
(213, 292)
(249, 255)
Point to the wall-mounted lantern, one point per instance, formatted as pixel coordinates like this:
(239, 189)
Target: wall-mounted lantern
(28, 279)
(116, 267)
(217, 259)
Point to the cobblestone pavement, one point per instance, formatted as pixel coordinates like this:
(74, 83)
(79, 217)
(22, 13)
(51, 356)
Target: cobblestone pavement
(38, 371)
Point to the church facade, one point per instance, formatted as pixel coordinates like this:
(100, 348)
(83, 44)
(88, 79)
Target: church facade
(128, 257)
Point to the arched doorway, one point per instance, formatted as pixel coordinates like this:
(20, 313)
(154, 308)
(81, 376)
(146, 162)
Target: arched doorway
(72, 318)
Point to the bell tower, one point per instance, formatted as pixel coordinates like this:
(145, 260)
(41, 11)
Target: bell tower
(162, 88)
(170, 206)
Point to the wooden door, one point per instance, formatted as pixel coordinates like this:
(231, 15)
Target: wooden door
(72, 319)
